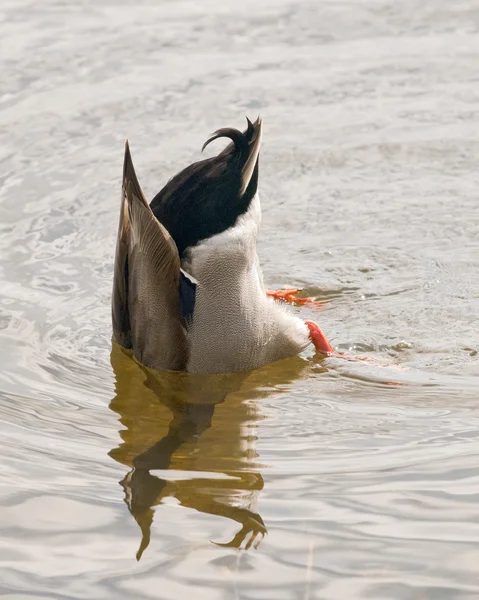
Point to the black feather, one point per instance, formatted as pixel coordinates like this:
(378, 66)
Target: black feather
(205, 198)
(187, 291)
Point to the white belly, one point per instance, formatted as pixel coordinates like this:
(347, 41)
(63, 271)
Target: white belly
(235, 325)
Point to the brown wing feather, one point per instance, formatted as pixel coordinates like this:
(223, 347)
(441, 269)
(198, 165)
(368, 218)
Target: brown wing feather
(146, 305)
(119, 304)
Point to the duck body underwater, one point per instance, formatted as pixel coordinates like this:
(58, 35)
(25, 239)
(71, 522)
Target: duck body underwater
(188, 291)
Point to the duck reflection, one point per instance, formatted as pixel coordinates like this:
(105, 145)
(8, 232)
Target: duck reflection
(198, 431)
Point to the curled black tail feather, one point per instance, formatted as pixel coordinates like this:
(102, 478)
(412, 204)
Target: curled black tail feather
(235, 135)
(241, 139)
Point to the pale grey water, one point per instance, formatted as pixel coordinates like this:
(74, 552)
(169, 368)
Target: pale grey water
(369, 180)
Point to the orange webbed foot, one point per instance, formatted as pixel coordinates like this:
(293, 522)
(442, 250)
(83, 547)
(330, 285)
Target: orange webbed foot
(291, 295)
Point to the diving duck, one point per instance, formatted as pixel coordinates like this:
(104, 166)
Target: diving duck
(188, 290)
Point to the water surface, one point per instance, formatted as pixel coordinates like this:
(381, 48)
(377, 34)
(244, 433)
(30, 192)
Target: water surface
(306, 479)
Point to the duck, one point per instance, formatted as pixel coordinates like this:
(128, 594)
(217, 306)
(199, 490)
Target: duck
(188, 291)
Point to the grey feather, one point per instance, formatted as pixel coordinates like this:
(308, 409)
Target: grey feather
(145, 291)
(235, 326)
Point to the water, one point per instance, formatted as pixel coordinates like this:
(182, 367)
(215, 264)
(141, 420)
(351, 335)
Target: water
(348, 487)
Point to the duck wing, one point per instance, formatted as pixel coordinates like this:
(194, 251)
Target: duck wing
(146, 304)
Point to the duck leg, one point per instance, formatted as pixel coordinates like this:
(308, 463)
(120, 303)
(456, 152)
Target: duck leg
(292, 295)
